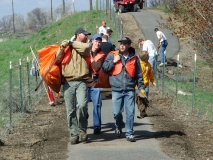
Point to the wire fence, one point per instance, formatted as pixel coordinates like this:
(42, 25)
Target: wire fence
(192, 91)
(18, 95)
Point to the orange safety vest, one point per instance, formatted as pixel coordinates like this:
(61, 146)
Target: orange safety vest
(96, 58)
(130, 66)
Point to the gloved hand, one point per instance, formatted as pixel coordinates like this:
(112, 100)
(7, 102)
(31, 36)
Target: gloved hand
(65, 43)
(142, 93)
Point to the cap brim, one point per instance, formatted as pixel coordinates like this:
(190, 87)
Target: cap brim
(87, 33)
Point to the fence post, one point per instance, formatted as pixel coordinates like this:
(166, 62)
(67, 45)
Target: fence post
(10, 97)
(193, 95)
(28, 82)
(163, 78)
(177, 79)
(21, 86)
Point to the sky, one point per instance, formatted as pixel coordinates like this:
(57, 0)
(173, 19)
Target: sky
(25, 6)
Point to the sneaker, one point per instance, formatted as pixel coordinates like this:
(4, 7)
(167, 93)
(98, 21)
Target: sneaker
(83, 136)
(75, 140)
(142, 116)
(161, 64)
(131, 138)
(51, 103)
(97, 131)
(118, 132)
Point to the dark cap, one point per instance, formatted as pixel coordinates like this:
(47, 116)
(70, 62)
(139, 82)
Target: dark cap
(109, 30)
(156, 29)
(97, 36)
(125, 40)
(81, 30)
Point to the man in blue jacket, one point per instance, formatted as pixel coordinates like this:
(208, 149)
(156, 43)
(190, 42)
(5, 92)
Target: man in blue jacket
(125, 72)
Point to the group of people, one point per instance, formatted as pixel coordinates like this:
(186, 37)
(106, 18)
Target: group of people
(125, 69)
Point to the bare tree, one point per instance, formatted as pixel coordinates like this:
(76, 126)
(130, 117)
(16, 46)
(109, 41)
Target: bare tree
(37, 19)
(6, 23)
(13, 18)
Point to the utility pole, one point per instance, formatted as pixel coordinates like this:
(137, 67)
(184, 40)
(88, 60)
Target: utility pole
(13, 18)
(63, 2)
(90, 4)
(51, 10)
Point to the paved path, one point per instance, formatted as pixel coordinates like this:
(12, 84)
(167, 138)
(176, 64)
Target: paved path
(147, 21)
(105, 146)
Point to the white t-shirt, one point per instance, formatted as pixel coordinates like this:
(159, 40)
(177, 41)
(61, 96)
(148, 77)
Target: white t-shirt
(159, 33)
(103, 29)
(150, 48)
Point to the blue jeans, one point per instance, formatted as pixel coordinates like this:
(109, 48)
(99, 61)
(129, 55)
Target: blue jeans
(119, 100)
(95, 95)
(153, 61)
(75, 97)
(162, 50)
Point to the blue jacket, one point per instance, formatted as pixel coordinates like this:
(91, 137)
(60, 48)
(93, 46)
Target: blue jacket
(123, 81)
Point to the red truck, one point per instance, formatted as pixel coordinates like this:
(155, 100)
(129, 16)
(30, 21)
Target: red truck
(128, 5)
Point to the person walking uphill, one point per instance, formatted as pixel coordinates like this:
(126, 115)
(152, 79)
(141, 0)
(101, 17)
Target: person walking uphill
(163, 43)
(76, 72)
(95, 63)
(125, 72)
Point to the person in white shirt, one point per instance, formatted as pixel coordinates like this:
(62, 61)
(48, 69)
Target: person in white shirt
(148, 46)
(162, 45)
(102, 29)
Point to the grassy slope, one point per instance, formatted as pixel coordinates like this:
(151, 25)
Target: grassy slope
(14, 49)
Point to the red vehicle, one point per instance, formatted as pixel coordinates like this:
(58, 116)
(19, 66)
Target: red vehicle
(128, 5)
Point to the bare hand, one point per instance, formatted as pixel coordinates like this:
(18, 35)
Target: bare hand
(116, 58)
(154, 84)
(96, 27)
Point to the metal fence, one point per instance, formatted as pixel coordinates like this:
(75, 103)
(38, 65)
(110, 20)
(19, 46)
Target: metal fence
(192, 91)
(17, 94)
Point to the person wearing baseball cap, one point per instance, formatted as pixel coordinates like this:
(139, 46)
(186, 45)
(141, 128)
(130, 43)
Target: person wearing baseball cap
(95, 62)
(125, 73)
(125, 40)
(76, 72)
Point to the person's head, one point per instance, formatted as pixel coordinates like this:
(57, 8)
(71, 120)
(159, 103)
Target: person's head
(104, 38)
(125, 44)
(141, 41)
(109, 32)
(156, 29)
(96, 42)
(104, 23)
(81, 35)
(144, 56)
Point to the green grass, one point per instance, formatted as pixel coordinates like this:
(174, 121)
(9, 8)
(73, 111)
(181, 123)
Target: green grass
(16, 48)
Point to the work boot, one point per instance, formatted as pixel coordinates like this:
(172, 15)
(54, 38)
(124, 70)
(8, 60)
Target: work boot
(75, 140)
(118, 132)
(83, 136)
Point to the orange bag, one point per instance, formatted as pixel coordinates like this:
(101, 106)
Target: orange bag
(46, 58)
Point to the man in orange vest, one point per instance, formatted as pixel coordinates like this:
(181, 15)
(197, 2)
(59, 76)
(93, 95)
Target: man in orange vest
(125, 72)
(95, 63)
